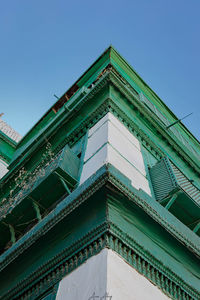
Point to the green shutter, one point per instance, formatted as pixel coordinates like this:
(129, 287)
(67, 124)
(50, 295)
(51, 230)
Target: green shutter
(176, 192)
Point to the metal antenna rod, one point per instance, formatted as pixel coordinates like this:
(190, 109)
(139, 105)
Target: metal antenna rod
(56, 96)
(178, 121)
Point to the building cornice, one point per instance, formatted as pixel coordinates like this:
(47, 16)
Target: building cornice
(65, 115)
(110, 236)
(112, 57)
(106, 174)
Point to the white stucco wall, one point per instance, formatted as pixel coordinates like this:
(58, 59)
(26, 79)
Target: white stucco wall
(109, 141)
(3, 168)
(89, 278)
(107, 274)
(124, 282)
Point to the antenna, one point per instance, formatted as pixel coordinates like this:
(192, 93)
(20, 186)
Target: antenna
(178, 121)
(56, 96)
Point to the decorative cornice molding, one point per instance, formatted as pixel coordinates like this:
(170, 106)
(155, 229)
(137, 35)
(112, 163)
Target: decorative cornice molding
(49, 269)
(111, 77)
(90, 245)
(150, 209)
(150, 260)
(62, 210)
(110, 106)
(106, 174)
(129, 93)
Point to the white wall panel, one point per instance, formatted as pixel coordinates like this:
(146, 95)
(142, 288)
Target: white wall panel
(109, 141)
(96, 141)
(124, 130)
(94, 163)
(107, 274)
(124, 282)
(98, 125)
(124, 146)
(89, 278)
(110, 117)
(138, 180)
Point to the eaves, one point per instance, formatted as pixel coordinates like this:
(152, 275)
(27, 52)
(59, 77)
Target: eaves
(65, 114)
(153, 120)
(104, 175)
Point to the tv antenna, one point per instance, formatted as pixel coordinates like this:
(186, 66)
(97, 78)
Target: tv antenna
(56, 96)
(178, 121)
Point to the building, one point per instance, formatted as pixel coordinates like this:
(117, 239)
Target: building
(8, 142)
(101, 198)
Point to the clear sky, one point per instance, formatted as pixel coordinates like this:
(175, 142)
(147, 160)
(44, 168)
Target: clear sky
(46, 45)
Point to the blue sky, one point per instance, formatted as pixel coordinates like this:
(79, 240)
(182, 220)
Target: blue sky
(47, 45)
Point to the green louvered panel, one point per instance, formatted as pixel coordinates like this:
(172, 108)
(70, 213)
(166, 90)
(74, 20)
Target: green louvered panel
(176, 192)
(186, 185)
(163, 179)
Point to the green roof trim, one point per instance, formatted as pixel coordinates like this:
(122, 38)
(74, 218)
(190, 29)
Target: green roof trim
(110, 56)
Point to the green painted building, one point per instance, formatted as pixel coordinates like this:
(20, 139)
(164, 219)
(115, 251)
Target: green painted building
(101, 198)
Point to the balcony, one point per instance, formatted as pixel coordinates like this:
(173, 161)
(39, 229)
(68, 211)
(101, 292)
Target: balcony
(176, 193)
(42, 192)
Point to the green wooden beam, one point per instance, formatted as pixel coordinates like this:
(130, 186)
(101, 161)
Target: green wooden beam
(197, 227)
(37, 210)
(171, 201)
(65, 185)
(12, 233)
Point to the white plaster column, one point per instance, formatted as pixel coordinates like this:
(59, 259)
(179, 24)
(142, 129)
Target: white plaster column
(124, 282)
(109, 141)
(87, 280)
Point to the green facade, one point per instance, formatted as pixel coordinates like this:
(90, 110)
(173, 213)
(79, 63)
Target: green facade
(50, 224)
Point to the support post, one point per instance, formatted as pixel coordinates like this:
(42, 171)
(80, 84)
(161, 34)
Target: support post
(65, 185)
(37, 210)
(171, 201)
(12, 234)
(197, 227)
